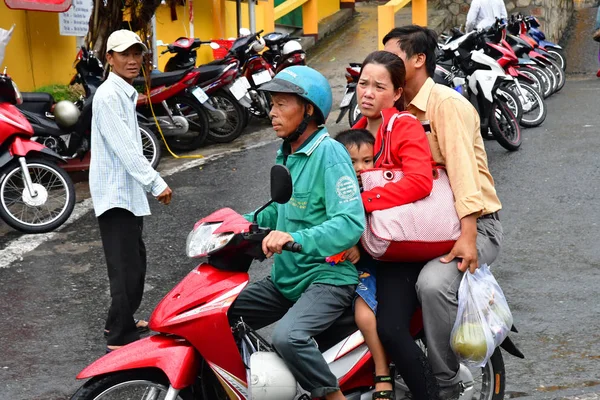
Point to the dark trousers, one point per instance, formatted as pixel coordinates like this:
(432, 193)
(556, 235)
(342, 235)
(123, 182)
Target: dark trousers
(261, 304)
(397, 302)
(125, 253)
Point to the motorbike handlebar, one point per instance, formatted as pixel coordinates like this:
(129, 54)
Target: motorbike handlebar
(294, 247)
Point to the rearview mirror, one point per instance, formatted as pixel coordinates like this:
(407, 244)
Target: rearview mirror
(281, 184)
(214, 46)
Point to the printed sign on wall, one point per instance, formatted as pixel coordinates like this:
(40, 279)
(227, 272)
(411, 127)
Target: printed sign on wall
(75, 22)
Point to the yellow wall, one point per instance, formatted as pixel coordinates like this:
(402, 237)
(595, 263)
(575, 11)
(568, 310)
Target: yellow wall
(36, 54)
(327, 8)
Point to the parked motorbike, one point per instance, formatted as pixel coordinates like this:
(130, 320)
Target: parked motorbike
(283, 51)
(197, 354)
(349, 102)
(227, 118)
(533, 25)
(65, 127)
(484, 78)
(36, 195)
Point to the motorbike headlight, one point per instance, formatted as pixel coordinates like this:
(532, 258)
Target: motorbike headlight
(202, 241)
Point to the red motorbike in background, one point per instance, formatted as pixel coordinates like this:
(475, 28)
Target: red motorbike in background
(227, 118)
(36, 195)
(197, 355)
(349, 102)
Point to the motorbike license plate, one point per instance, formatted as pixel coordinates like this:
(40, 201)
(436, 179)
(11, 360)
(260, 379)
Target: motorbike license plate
(239, 87)
(347, 98)
(261, 77)
(200, 95)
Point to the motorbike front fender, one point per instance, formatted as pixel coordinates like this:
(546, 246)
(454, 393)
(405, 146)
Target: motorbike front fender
(550, 45)
(22, 147)
(174, 356)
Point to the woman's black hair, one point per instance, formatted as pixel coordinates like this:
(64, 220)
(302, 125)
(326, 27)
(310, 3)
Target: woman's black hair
(355, 137)
(395, 66)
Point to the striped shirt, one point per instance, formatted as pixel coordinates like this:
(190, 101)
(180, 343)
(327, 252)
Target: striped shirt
(120, 175)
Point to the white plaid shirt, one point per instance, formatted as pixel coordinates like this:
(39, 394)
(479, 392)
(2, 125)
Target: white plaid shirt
(120, 175)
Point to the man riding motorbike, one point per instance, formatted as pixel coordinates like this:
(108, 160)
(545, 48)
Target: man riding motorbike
(305, 294)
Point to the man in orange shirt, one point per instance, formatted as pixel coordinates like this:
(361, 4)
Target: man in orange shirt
(453, 129)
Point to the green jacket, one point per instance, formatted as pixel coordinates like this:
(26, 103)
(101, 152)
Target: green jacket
(325, 215)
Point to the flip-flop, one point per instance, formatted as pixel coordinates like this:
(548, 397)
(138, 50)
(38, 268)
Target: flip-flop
(109, 350)
(140, 329)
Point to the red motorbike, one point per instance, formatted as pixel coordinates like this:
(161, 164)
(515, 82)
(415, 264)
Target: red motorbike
(349, 103)
(197, 355)
(36, 195)
(227, 118)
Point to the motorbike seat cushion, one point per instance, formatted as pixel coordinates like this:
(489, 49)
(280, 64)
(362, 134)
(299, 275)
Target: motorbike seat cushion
(210, 71)
(37, 102)
(162, 78)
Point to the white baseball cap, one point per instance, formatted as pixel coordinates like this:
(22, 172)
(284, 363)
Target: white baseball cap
(123, 39)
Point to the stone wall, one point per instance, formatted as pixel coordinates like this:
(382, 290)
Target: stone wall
(554, 15)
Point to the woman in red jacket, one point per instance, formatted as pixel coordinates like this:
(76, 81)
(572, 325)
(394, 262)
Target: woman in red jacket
(379, 95)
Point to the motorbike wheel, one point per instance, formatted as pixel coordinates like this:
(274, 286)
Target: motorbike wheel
(196, 116)
(559, 74)
(353, 111)
(546, 81)
(49, 209)
(136, 384)
(560, 55)
(536, 114)
(553, 78)
(537, 82)
(151, 146)
(236, 118)
(512, 100)
(504, 126)
(488, 381)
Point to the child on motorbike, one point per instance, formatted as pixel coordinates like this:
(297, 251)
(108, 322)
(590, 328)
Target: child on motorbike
(385, 322)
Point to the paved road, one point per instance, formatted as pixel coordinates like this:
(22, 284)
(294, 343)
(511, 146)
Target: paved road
(53, 300)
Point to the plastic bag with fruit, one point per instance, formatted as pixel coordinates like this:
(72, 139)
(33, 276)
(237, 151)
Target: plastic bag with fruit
(483, 320)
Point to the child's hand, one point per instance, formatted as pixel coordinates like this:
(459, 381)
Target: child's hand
(353, 254)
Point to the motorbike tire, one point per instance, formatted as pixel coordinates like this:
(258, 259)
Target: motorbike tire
(546, 81)
(103, 387)
(513, 100)
(193, 111)
(354, 114)
(151, 146)
(45, 175)
(560, 55)
(553, 78)
(559, 74)
(504, 126)
(237, 118)
(537, 114)
(534, 76)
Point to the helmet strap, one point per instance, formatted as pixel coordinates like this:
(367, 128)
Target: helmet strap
(300, 129)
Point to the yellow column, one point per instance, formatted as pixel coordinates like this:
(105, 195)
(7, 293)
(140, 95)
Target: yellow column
(218, 18)
(310, 18)
(419, 12)
(385, 22)
(269, 15)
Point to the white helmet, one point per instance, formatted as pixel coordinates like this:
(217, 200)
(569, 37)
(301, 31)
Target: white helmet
(270, 378)
(258, 45)
(66, 114)
(291, 47)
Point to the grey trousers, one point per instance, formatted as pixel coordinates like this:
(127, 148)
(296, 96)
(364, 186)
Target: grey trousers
(437, 289)
(261, 304)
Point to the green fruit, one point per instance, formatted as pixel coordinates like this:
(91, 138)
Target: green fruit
(469, 343)
(503, 313)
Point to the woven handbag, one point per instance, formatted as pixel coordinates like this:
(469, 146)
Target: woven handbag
(419, 231)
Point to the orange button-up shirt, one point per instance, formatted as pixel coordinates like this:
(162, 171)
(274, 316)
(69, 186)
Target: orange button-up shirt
(456, 143)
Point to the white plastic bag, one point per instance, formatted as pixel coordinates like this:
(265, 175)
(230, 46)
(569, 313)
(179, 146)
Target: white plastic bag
(483, 320)
(4, 39)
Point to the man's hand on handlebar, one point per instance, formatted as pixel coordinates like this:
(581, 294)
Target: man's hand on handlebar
(274, 242)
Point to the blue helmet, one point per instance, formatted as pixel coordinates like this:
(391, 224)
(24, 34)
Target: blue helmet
(307, 83)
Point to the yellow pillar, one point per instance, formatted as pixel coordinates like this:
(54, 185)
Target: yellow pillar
(218, 18)
(419, 12)
(269, 15)
(385, 22)
(310, 18)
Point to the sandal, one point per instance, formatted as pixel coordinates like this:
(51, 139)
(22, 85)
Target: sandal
(140, 324)
(384, 394)
(110, 350)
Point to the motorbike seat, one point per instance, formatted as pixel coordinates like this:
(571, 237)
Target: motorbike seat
(41, 125)
(35, 102)
(162, 78)
(210, 71)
